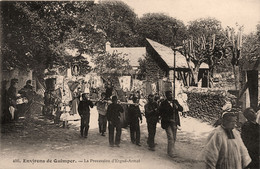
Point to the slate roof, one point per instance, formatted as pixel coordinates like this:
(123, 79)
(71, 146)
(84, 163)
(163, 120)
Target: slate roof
(167, 54)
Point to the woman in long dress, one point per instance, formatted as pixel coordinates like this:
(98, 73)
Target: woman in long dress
(75, 103)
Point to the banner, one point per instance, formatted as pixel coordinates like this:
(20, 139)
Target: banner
(125, 82)
(73, 85)
(137, 85)
(40, 89)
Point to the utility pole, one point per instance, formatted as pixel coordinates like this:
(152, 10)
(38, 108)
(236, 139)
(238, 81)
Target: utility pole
(174, 31)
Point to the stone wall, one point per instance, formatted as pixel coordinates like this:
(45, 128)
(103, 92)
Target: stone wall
(206, 104)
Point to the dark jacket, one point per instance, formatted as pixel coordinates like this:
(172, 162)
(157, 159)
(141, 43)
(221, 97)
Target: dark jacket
(134, 113)
(12, 96)
(250, 136)
(168, 113)
(28, 87)
(83, 107)
(113, 112)
(151, 112)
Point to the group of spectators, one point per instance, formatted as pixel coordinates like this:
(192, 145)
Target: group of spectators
(14, 102)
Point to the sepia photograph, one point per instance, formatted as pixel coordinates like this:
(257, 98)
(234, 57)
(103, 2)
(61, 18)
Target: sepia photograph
(123, 84)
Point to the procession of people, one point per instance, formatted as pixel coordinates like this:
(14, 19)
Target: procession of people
(226, 148)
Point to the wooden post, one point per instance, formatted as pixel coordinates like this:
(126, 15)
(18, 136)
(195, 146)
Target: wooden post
(208, 78)
(174, 74)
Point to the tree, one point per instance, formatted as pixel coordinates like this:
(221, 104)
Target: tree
(159, 27)
(17, 40)
(250, 49)
(258, 31)
(206, 44)
(251, 46)
(111, 63)
(234, 46)
(149, 70)
(142, 73)
(118, 21)
(36, 34)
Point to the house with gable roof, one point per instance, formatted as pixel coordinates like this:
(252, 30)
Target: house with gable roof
(160, 64)
(164, 58)
(133, 54)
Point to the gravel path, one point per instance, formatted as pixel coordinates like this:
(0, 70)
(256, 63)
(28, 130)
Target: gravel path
(38, 143)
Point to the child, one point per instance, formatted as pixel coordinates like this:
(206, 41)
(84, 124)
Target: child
(182, 99)
(65, 115)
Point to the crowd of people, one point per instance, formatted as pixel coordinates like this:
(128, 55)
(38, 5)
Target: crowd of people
(110, 114)
(226, 148)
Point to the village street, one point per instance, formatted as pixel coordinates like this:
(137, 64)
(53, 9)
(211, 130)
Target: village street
(40, 139)
(59, 58)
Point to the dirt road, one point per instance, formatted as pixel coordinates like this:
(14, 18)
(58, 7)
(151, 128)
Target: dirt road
(38, 143)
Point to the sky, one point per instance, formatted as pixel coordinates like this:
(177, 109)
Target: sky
(229, 12)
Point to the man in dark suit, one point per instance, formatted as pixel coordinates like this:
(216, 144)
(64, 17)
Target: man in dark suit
(114, 111)
(134, 116)
(84, 112)
(250, 136)
(152, 117)
(170, 119)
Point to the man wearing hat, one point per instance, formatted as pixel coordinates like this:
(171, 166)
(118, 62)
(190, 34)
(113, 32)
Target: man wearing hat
(169, 109)
(134, 116)
(250, 136)
(84, 112)
(224, 148)
(28, 85)
(114, 111)
(152, 117)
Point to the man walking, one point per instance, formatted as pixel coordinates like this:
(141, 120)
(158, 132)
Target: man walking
(152, 117)
(170, 119)
(134, 116)
(84, 112)
(113, 117)
(250, 136)
(102, 118)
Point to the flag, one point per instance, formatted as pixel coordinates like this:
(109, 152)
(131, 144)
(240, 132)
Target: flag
(57, 93)
(40, 89)
(73, 85)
